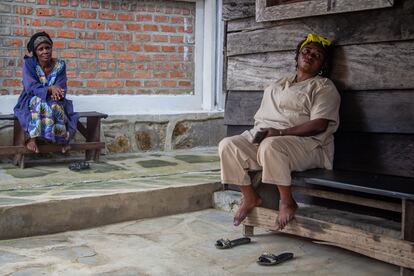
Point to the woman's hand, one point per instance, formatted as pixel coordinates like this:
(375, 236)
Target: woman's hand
(273, 132)
(56, 93)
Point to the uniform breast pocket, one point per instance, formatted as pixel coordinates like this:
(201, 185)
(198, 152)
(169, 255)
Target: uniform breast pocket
(293, 101)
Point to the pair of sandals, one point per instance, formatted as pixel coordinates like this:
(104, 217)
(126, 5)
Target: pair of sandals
(266, 259)
(79, 166)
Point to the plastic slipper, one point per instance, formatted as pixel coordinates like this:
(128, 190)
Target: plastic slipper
(79, 166)
(271, 259)
(226, 243)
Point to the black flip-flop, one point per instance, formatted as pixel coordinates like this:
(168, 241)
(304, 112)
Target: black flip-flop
(79, 166)
(271, 259)
(226, 243)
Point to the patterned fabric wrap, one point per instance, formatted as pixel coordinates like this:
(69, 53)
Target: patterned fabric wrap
(48, 118)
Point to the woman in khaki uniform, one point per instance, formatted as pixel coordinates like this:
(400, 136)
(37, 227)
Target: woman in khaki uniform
(293, 131)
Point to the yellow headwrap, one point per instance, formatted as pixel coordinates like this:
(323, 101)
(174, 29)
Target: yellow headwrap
(317, 39)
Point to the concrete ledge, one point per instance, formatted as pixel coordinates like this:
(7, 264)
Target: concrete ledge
(79, 213)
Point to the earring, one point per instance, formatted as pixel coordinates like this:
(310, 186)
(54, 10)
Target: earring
(320, 73)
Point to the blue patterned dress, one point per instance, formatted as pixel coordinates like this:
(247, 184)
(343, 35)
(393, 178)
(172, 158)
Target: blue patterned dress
(37, 113)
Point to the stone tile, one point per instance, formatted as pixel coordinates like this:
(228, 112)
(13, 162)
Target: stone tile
(155, 163)
(198, 158)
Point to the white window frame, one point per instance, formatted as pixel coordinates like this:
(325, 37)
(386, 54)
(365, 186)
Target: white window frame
(207, 79)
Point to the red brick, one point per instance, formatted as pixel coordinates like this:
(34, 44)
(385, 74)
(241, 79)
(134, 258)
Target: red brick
(105, 5)
(142, 37)
(176, 39)
(125, 75)
(116, 47)
(87, 54)
(151, 83)
(95, 4)
(41, 2)
(160, 75)
(105, 74)
(87, 14)
(143, 57)
(67, 13)
(151, 48)
(83, 92)
(77, 44)
(169, 83)
(143, 75)
(168, 49)
(96, 25)
(176, 75)
(96, 45)
(115, 26)
(150, 28)
(94, 83)
(114, 83)
(125, 56)
(105, 36)
(168, 29)
(5, 73)
(74, 83)
(54, 23)
(125, 17)
(12, 83)
(160, 18)
(4, 92)
(23, 10)
(159, 58)
(125, 6)
(87, 75)
(87, 35)
(64, 3)
(106, 55)
(125, 37)
(132, 83)
(141, 18)
(160, 38)
(189, 30)
(76, 24)
(59, 44)
(133, 27)
(134, 47)
(13, 42)
(107, 15)
(45, 12)
(185, 11)
(184, 83)
(71, 74)
(74, 3)
(177, 20)
(66, 34)
(67, 54)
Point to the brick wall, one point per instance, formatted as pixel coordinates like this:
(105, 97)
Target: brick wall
(110, 47)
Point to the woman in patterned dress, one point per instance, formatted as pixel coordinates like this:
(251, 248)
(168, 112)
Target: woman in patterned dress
(42, 108)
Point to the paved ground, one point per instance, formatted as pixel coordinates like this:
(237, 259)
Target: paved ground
(44, 181)
(175, 245)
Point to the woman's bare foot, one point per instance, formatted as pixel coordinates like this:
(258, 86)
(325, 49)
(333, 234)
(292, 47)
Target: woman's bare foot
(32, 146)
(287, 212)
(65, 148)
(249, 201)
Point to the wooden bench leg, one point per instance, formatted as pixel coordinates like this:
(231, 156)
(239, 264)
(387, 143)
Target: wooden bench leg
(93, 126)
(18, 140)
(407, 229)
(248, 230)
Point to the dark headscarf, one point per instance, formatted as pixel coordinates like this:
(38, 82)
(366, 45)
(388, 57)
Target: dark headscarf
(36, 40)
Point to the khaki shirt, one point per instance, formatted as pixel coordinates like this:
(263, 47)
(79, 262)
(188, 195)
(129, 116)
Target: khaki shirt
(287, 104)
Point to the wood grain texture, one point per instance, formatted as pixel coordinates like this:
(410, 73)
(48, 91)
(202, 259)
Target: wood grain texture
(387, 249)
(233, 9)
(407, 229)
(355, 67)
(241, 107)
(344, 29)
(391, 154)
(266, 12)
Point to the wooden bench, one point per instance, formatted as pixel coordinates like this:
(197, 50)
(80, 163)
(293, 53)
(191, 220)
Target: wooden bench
(91, 132)
(366, 204)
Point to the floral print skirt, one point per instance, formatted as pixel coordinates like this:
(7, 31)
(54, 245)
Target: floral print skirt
(47, 121)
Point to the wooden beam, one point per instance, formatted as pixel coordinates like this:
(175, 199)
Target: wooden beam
(379, 204)
(234, 9)
(11, 150)
(390, 250)
(381, 63)
(407, 231)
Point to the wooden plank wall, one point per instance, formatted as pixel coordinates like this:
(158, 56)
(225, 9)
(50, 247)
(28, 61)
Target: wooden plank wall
(372, 68)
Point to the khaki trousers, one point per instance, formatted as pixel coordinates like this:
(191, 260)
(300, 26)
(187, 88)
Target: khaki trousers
(276, 156)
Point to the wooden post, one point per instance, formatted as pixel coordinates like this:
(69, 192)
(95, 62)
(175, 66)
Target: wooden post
(407, 229)
(93, 126)
(18, 140)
